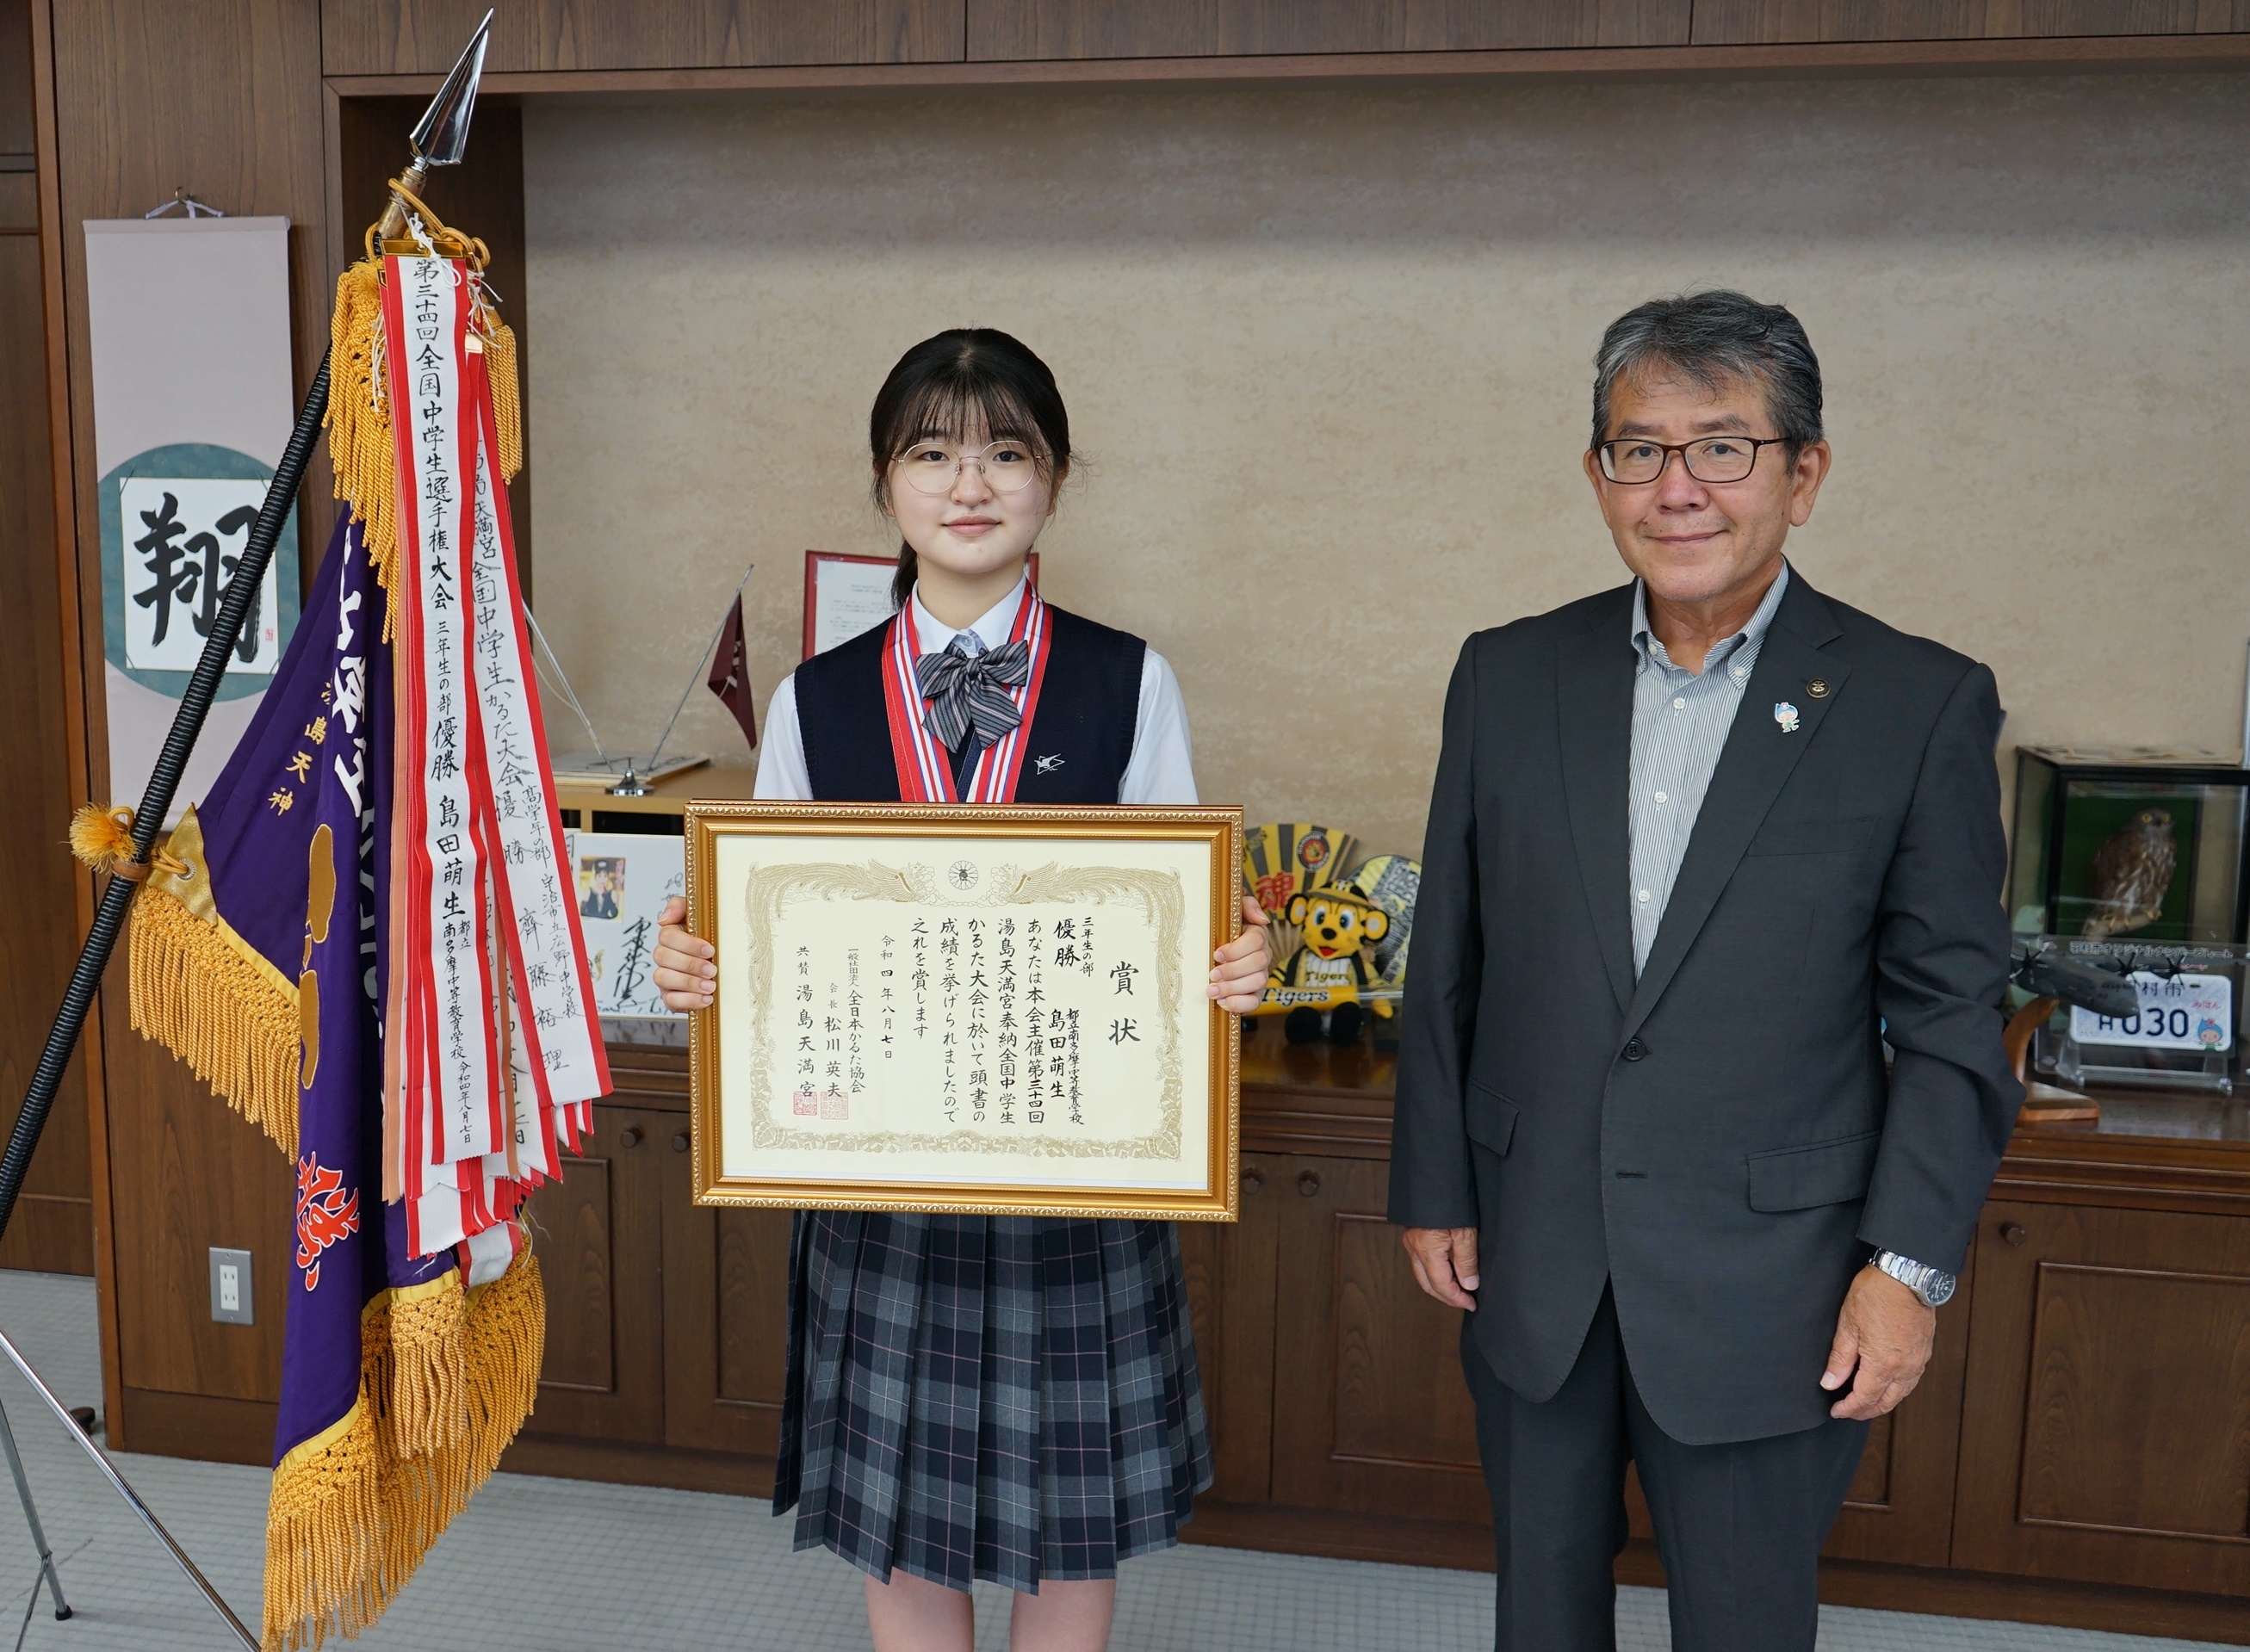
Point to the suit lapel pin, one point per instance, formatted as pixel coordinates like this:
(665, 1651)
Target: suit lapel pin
(1817, 687)
(1785, 714)
(1047, 765)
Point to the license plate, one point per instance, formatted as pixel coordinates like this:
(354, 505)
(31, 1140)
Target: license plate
(2178, 1012)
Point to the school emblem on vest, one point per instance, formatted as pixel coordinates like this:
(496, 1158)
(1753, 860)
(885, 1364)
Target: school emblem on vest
(1047, 765)
(1785, 714)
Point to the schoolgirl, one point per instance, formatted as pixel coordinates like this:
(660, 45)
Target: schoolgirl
(1013, 1399)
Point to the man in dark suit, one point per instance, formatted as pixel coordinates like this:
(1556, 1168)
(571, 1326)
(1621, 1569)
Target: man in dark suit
(1700, 848)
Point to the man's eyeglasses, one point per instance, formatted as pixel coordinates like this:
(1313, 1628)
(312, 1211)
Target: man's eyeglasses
(933, 467)
(1711, 459)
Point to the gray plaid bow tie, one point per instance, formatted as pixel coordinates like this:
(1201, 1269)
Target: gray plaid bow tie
(968, 691)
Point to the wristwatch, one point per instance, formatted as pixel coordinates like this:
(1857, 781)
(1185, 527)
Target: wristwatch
(1933, 1285)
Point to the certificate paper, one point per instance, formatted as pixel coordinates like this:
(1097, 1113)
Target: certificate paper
(996, 1009)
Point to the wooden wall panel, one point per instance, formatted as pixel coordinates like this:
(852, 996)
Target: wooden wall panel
(225, 97)
(53, 1224)
(16, 89)
(1783, 22)
(1010, 30)
(187, 1174)
(423, 37)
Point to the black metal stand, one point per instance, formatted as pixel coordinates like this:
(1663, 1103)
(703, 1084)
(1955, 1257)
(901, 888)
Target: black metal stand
(101, 941)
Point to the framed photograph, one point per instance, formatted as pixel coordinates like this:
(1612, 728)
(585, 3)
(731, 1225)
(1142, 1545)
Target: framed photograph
(963, 1008)
(846, 595)
(622, 881)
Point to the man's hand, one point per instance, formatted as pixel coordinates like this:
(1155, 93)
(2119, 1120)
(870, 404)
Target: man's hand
(683, 969)
(1239, 983)
(1886, 1332)
(1444, 1262)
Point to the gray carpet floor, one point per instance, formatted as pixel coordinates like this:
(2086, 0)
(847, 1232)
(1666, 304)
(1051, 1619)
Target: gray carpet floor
(566, 1566)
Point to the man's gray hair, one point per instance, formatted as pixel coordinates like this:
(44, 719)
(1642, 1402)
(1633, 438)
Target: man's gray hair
(1713, 340)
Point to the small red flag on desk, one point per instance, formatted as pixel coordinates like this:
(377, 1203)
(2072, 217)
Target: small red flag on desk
(730, 673)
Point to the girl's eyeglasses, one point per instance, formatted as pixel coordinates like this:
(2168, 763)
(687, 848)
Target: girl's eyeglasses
(933, 467)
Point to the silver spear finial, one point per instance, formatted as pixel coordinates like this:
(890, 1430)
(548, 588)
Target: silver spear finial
(441, 136)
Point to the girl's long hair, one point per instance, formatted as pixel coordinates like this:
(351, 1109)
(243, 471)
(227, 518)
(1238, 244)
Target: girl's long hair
(961, 379)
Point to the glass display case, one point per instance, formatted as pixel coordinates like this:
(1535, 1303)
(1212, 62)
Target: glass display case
(2187, 1035)
(2138, 844)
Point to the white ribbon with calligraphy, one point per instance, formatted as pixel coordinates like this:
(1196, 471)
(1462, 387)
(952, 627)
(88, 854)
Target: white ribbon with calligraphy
(499, 1058)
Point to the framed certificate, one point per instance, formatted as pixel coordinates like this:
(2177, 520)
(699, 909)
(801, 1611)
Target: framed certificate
(846, 595)
(963, 1009)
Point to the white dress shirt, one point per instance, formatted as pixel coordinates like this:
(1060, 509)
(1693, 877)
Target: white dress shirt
(1680, 722)
(1162, 769)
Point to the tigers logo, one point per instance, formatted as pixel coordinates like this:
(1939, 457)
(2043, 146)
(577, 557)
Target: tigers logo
(326, 1214)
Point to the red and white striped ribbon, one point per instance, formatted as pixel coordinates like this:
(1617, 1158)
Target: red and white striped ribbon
(492, 1055)
(925, 767)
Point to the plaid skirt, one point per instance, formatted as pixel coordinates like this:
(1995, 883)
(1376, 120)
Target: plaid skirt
(1007, 1397)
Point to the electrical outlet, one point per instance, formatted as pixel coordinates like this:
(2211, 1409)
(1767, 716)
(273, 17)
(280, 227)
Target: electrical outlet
(230, 1287)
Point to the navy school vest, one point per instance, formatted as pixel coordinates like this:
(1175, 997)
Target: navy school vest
(1080, 738)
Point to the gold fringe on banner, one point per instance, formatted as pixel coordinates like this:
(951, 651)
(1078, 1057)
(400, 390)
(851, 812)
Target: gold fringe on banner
(355, 1508)
(324, 1533)
(424, 1409)
(203, 992)
(359, 422)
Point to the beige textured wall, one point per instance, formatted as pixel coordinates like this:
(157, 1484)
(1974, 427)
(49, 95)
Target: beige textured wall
(1326, 352)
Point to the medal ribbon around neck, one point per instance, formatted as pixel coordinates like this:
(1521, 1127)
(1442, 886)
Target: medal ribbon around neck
(925, 767)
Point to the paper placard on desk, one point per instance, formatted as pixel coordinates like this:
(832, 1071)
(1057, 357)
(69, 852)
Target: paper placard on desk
(621, 881)
(845, 595)
(965, 1008)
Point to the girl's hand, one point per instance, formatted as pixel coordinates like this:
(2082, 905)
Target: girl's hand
(1239, 983)
(684, 970)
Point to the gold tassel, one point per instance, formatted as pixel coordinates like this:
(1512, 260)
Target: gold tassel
(360, 443)
(354, 1512)
(102, 838)
(507, 394)
(424, 1410)
(194, 994)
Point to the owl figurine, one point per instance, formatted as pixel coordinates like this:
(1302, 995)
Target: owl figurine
(2132, 871)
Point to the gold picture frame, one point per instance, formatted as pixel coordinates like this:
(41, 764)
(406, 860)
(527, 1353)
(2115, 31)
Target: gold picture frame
(947, 1008)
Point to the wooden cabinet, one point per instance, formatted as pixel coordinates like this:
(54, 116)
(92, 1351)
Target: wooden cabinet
(664, 1320)
(2078, 1452)
(598, 1235)
(1371, 1413)
(2107, 1433)
(726, 1305)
